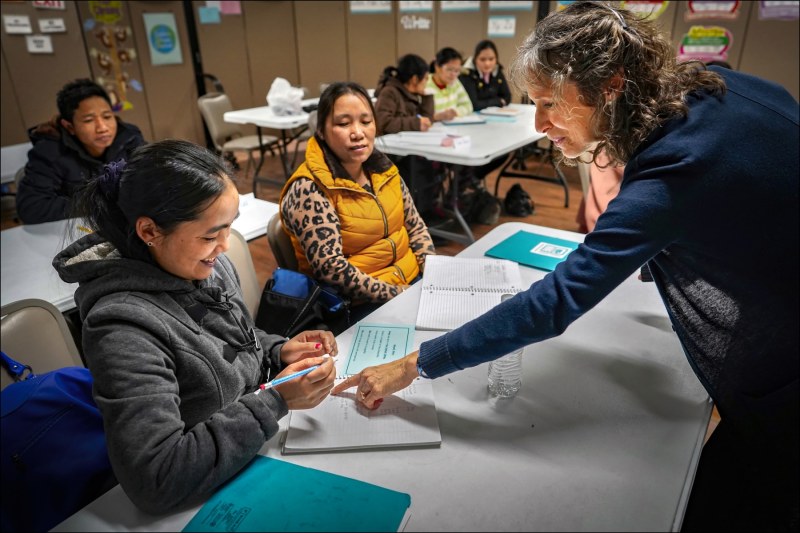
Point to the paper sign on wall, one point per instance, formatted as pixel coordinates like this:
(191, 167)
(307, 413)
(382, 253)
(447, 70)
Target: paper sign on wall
(39, 44)
(49, 4)
(162, 39)
(705, 43)
(375, 6)
(421, 6)
(513, 5)
(463, 5)
(17, 24)
(501, 26)
(709, 10)
(52, 26)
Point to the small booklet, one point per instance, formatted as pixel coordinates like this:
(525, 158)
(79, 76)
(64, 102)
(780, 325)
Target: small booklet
(501, 111)
(534, 250)
(405, 419)
(310, 500)
(466, 119)
(456, 290)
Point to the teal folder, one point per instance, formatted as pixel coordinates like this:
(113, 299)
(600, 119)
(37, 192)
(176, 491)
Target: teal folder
(532, 249)
(273, 495)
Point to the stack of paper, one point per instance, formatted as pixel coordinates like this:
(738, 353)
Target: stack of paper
(429, 138)
(501, 111)
(467, 119)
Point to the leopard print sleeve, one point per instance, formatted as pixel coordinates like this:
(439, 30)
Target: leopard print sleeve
(418, 235)
(310, 216)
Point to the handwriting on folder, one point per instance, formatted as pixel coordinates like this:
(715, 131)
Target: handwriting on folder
(273, 495)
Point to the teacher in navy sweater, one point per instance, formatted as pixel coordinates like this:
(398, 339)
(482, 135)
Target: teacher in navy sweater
(709, 201)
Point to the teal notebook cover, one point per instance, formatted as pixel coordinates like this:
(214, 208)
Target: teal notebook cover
(532, 249)
(273, 495)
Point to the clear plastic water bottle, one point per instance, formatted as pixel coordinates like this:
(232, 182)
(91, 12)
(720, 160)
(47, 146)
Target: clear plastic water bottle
(505, 375)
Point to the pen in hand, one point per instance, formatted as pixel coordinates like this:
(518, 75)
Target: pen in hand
(284, 379)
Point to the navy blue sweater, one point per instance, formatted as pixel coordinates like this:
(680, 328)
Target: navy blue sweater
(711, 202)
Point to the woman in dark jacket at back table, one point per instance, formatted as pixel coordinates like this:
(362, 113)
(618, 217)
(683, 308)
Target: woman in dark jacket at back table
(71, 148)
(483, 78)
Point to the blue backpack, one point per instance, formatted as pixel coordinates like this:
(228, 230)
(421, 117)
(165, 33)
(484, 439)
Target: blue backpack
(54, 457)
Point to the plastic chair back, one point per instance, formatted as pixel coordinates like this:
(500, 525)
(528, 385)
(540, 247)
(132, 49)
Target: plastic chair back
(280, 243)
(239, 254)
(35, 333)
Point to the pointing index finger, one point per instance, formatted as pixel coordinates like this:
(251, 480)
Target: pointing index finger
(350, 381)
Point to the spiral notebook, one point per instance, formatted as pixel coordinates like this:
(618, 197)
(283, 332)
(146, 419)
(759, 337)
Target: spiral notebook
(404, 419)
(456, 290)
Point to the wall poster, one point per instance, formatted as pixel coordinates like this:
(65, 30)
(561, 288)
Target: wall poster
(162, 38)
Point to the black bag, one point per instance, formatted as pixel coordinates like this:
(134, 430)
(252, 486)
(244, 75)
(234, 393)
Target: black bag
(293, 302)
(518, 202)
(479, 205)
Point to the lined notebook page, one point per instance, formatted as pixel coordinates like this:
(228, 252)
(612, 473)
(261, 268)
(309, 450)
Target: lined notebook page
(406, 418)
(456, 290)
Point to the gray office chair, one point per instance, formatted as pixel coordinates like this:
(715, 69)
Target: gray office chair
(239, 254)
(35, 333)
(230, 137)
(280, 243)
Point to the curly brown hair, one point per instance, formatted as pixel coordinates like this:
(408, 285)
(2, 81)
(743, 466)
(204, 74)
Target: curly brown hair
(588, 44)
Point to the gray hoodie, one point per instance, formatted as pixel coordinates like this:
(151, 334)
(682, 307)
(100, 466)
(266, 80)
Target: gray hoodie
(175, 364)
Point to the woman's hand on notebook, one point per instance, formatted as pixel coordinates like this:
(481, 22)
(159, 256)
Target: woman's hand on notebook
(376, 382)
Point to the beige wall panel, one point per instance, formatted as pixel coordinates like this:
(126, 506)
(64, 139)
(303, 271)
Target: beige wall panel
(771, 51)
(735, 26)
(460, 30)
(507, 46)
(271, 47)
(12, 129)
(171, 91)
(224, 50)
(371, 44)
(114, 59)
(416, 39)
(37, 78)
(321, 43)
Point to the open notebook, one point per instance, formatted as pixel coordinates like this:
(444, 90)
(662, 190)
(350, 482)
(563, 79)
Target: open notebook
(456, 290)
(406, 418)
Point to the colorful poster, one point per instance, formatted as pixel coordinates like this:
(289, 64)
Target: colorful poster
(230, 7)
(501, 26)
(715, 9)
(115, 53)
(647, 9)
(162, 38)
(705, 43)
(772, 10)
(562, 4)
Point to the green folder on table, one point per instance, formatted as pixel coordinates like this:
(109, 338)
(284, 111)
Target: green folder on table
(274, 495)
(532, 249)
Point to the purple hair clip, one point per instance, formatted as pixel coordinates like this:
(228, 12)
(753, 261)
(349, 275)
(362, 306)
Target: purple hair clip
(109, 180)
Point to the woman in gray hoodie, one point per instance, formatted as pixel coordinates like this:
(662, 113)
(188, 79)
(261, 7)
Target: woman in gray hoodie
(176, 359)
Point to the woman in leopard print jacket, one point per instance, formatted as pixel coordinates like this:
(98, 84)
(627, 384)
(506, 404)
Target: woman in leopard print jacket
(347, 210)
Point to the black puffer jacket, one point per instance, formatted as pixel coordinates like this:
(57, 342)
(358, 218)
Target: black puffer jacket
(58, 165)
(483, 95)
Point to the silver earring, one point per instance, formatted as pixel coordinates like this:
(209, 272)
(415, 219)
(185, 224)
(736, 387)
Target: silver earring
(150, 243)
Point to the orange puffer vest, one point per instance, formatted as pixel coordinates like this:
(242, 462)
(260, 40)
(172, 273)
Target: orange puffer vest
(374, 237)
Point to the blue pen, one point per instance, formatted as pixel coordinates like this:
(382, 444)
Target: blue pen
(284, 379)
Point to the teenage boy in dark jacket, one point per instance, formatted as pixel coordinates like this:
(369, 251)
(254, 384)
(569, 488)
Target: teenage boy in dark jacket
(71, 148)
